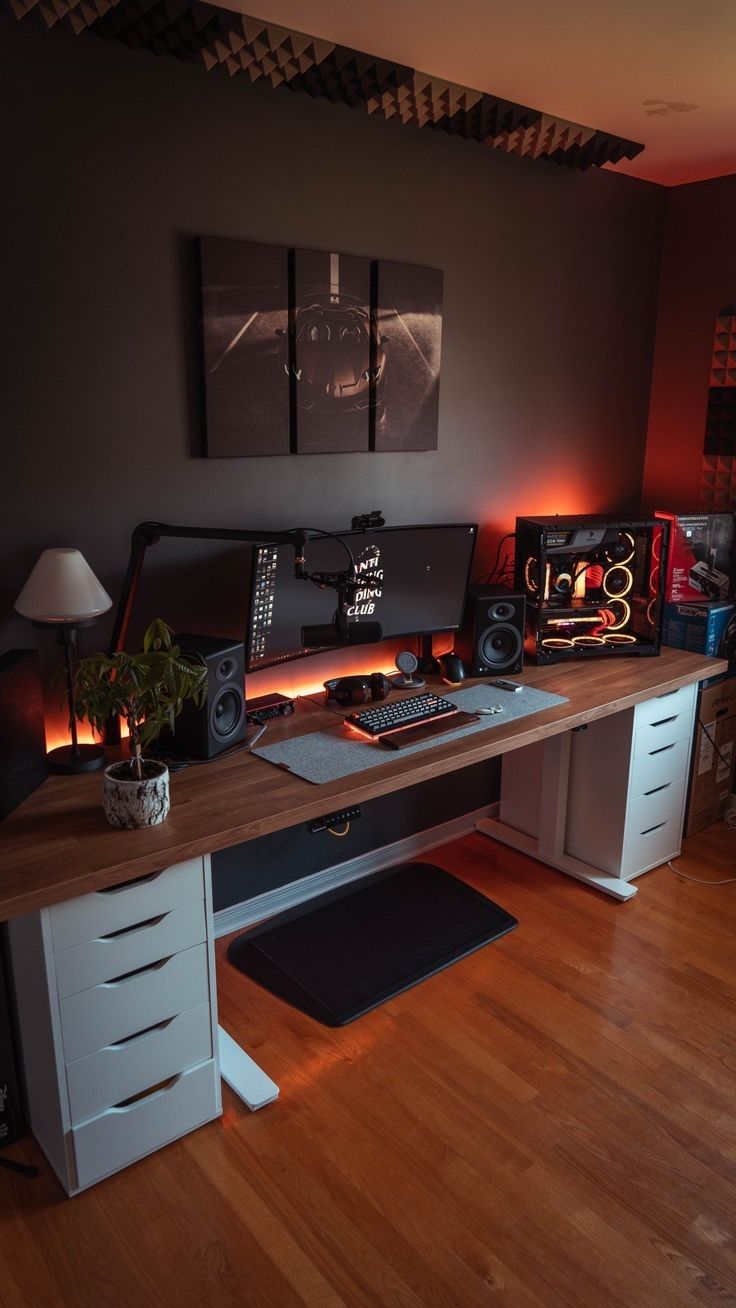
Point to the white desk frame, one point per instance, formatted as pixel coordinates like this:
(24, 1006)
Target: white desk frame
(549, 846)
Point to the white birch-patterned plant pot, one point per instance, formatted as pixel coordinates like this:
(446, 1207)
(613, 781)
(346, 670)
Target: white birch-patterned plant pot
(129, 802)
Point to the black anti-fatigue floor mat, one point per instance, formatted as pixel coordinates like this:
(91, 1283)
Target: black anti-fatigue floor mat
(344, 953)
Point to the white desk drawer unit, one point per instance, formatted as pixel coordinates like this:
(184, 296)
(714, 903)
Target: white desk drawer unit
(118, 990)
(654, 806)
(152, 1121)
(129, 1067)
(627, 785)
(665, 763)
(109, 1012)
(95, 961)
(670, 704)
(106, 911)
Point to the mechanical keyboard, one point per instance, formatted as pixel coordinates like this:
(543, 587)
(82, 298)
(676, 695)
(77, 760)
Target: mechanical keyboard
(401, 713)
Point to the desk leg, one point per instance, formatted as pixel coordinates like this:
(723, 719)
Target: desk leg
(237, 1068)
(549, 845)
(244, 1076)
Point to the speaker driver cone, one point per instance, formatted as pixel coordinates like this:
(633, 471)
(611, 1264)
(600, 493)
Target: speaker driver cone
(500, 644)
(226, 713)
(226, 669)
(501, 612)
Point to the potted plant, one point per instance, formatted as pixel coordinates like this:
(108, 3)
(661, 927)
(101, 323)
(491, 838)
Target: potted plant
(148, 690)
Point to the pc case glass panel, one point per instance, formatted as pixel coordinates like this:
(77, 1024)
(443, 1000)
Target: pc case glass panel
(593, 586)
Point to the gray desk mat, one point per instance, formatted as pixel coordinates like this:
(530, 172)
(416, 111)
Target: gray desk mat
(328, 755)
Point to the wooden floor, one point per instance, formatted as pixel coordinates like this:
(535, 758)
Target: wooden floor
(551, 1121)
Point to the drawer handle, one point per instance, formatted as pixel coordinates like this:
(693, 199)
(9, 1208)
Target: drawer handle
(131, 930)
(662, 749)
(163, 1087)
(656, 789)
(138, 971)
(665, 693)
(662, 722)
(649, 830)
(140, 1035)
(126, 885)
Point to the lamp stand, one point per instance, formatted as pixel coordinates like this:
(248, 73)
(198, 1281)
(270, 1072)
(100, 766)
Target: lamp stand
(74, 757)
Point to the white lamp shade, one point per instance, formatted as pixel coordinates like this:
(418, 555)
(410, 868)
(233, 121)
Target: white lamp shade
(62, 588)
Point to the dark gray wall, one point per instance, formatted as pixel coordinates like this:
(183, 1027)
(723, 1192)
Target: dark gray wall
(115, 161)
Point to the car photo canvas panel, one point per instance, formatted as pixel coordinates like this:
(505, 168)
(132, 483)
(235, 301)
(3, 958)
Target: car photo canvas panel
(332, 353)
(244, 333)
(408, 332)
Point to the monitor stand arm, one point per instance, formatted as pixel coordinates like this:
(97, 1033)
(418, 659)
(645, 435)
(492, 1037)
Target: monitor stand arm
(427, 664)
(150, 533)
(345, 583)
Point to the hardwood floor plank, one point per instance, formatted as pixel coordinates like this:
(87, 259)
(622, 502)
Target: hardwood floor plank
(549, 1122)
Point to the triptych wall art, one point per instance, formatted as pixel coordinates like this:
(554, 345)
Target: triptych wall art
(307, 352)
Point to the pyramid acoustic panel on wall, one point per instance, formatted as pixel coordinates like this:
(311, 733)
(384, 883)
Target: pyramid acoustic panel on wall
(238, 43)
(718, 470)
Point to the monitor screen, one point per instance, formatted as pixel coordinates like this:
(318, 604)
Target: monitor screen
(415, 579)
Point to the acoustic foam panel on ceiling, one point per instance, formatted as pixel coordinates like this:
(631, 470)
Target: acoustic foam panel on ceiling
(239, 43)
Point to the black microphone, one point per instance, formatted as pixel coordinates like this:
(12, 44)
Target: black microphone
(330, 634)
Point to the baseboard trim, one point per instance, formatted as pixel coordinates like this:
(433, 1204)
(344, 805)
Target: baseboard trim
(270, 902)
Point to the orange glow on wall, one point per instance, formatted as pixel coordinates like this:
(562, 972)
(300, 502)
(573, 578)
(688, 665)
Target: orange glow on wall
(295, 685)
(292, 679)
(307, 677)
(59, 735)
(568, 494)
(57, 731)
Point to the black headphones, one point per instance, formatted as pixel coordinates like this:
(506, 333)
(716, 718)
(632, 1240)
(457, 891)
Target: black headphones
(357, 690)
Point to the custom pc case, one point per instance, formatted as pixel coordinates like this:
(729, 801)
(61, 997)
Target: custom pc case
(593, 586)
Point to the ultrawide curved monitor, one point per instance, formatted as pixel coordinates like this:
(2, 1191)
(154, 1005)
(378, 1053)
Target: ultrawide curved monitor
(415, 580)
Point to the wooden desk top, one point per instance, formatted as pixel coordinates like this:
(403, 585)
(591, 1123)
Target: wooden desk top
(57, 844)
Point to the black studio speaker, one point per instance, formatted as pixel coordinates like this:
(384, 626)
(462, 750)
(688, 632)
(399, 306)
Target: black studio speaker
(23, 764)
(220, 722)
(491, 639)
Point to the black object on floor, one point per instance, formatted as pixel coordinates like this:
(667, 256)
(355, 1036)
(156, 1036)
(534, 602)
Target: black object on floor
(344, 953)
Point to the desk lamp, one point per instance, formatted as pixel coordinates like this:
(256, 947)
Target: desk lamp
(63, 592)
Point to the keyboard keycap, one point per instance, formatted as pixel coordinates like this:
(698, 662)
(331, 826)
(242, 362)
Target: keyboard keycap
(409, 712)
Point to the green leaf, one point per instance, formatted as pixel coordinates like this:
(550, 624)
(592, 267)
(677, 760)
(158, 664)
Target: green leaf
(148, 689)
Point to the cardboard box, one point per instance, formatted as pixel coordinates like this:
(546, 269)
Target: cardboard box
(700, 558)
(705, 628)
(714, 749)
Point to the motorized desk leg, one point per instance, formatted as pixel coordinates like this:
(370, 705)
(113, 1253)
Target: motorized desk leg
(546, 768)
(243, 1075)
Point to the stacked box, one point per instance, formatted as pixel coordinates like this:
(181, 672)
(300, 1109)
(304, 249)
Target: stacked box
(705, 628)
(700, 562)
(711, 775)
